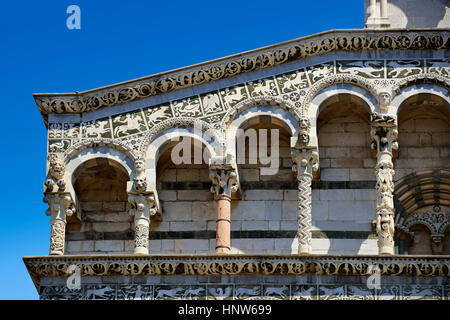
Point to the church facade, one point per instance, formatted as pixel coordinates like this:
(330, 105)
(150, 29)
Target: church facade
(318, 168)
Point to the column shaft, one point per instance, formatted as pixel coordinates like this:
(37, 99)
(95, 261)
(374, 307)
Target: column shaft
(304, 214)
(384, 140)
(223, 224)
(384, 9)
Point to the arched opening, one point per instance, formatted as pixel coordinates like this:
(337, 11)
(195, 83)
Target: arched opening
(183, 185)
(344, 198)
(262, 143)
(343, 129)
(100, 187)
(424, 134)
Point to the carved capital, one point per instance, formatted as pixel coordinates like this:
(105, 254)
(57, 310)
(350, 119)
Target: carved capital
(384, 133)
(143, 206)
(223, 175)
(305, 161)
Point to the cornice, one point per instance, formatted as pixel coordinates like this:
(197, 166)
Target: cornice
(258, 59)
(149, 265)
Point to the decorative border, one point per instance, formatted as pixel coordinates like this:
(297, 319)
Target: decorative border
(290, 290)
(147, 265)
(344, 40)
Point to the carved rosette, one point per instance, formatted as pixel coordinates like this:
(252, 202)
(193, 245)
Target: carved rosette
(142, 208)
(61, 205)
(384, 140)
(305, 161)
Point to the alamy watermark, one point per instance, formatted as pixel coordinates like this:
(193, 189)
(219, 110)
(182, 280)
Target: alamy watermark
(74, 280)
(74, 20)
(257, 147)
(374, 280)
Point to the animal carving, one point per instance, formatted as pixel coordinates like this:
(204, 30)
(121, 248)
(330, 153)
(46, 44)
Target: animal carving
(220, 293)
(277, 291)
(193, 292)
(56, 172)
(305, 294)
(169, 293)
(131, 122)
(158, 115)
(239, 292)
(96, 130)
(98, 293)
(140, 181)
(232, 97)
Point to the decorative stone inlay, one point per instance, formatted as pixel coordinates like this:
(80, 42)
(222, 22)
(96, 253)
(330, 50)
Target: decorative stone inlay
(132, 265)
(384, 140)
(354, 40)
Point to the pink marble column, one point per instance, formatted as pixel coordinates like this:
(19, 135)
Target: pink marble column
(224, 181)
(223, 224)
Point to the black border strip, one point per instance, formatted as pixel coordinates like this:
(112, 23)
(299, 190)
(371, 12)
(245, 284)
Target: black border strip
(273, 185)
(244, 234)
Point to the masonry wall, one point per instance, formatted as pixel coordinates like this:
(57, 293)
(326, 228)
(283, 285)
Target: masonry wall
(424, 143)
(264, 215)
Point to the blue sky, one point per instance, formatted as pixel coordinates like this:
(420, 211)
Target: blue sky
(118, 41)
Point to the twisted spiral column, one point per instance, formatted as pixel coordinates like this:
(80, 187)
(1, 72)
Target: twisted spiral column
(305, 161)
(304, 214)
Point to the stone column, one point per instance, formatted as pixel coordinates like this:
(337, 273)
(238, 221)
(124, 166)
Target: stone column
(60, 203)
(224, 181)
(60, 206)
(384, 140)
(142, 208)
(305, 160)
(384, 9)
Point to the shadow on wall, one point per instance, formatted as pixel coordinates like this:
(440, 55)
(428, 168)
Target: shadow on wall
(422, 14)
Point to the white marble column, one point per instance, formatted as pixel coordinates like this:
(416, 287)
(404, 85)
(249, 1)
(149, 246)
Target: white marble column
(60, 202)
(384, 140)
(142, 208)
(305, 160)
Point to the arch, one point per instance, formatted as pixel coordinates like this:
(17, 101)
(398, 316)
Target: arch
(275, 102)
(350, 83)
(402, 93)
(87, 154)
(84, 154)
(154, 149)
(278, 116)
(98, 143)
(335, 92)
(421, 189)
(173, 123)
